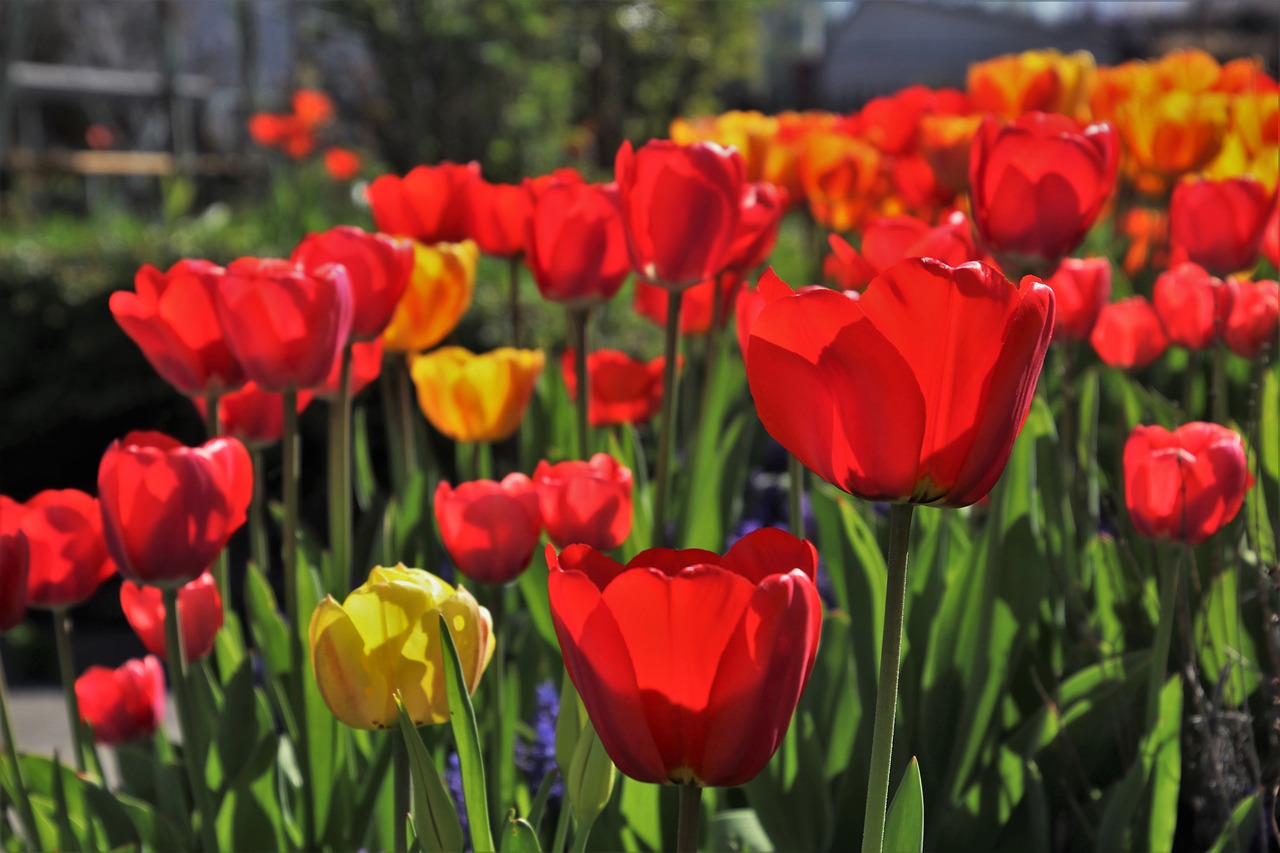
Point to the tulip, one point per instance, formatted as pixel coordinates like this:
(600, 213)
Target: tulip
(14, 560)
(1014, 85)
(1271, 239)
(341, 164)
(945, 141)
(1254, 318)
(697, 311)
(199, 616)
(1169, 134)
(1192, 305)
(869, 393)
(171, 318)
(286, 132)
(498, 215)
(68, 557)
(1081, 287)
(385, 638)
(1128, 334)
(430, 204)
(577, 250)
(1038, 184)
(439, 292)
(489, 528)
(312, 107)
(621, 389)
(168, 510)
(378, 269)
(759, 217)
(681, 692)
(680, 209)
(842, 179)
(471, 397)
(1219, 224)
(585, 503)
(1148, 232)
(284, 324)
(366, 366)
(251, 415)
(751, 301)
(894, 238)
(753, 134)
(1187, 484)
(123, 704)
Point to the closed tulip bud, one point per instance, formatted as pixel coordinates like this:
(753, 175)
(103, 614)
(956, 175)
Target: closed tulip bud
(1254, 318)
(1081, 287)
(1219, 224)
(471, 397)
(68, 557)
(1271, 239)
(586, 503)
(286, 325)
(577, 250)
(377, 266)
(1128, 334)
(430, 204)
(385, 638)
(589, 782)
(14, 556)
(122, 704)
(199, 616)
(621, 389)
(498, 215)
(251, 415)
(171, 318)
(168, 510)
(489, 529)
(1187, 484)
(438, 294)
(1192, 305)
(341, 164)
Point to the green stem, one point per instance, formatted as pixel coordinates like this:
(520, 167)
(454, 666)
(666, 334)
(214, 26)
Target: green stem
(581, 837)
(67, 670)
(498, 772)
(562, 827)
(482, 457)
(1170, 578)
(1219, 387)
(339, 580)
(405, 410)
(578, 321)
(222, 565)
(513, 279)
(670, 351)
(887, 688)
(796, 495)
(390, 388)
(25, 812)
(687, 831)
(289, 558)
(192, 737)
(400, 807)
(258, 517)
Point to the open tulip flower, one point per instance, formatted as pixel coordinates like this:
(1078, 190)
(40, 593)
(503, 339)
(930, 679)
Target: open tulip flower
(471, 397)
(167, 509)
(489, 529)
(1193, 305)
(385, 638)
(621, 389)
(377, 266)
(1081, 287)
(759, 217)
(1254, 318)
(14, 556)
(681, 692)
(914, 392)
(122, 704)
(894, 238)
(68, 557)
(439, 292)
(1219, 224)
(1038, 184)
(585, 503)
(199, 616)
(430, 204)
(171, 318)
(1184, 485)
(576, 248)
(1128, 334)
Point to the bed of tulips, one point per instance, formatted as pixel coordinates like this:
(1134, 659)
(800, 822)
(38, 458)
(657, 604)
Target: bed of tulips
(967, 541)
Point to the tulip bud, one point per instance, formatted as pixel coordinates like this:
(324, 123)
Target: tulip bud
(591, 776)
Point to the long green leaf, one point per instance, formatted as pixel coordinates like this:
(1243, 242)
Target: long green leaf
(518, 836)
(435, 819)
(904, 826)
(466, 734)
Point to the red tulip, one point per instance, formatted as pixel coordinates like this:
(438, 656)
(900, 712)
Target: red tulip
(680, 209)
(122, 704)
(1187, 484)
(1081, 287)
(623, 390)
(14, 557)
(690, 664)
(430, 204)
(1128, 334)
(585, 503)
(1219, 224)
(751, 300)
(499, 214)
(168, 510)
(366, 366)
(1254, 318)
(489, 529)
(286, 325)
(341, 164)
(759, 217)
(172, 320)
(68, 558)
(1271, 239)
(574, 242)
(696, 309)
(199, 616)
(914, 392)
(253, 416)
(378, 269)
(894, 238)
(1038, 184)
(1192, 305)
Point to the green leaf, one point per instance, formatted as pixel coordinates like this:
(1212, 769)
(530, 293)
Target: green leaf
(228, 644)
(266, 625)
(738, 829)
(1225, 648)
(904, 827)
(1269, 424)
(533, 588)
(466, 734)
(518, 836)
(1237, 836)
(366, 484)
(435, 819)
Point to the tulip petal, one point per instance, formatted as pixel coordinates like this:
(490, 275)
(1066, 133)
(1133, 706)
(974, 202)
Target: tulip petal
(353, 688)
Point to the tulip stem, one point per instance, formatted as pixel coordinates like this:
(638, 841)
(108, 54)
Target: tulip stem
(339, 580)
(796, 495)
(562, 827)
(670, 348)
(1170, 580)
(690, 806)
(1219, 386)
(408, 443)
(67, 670)
(513, 279)
(192, 738)
(578, 320)
(222, 565)
(887, 688)
(257, 516)
(499, 769)
(25, 812)
(400, 807)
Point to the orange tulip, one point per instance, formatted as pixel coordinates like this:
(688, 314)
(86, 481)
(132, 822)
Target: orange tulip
(471, 397)
(842, 179)
(439, 291)
(1015, 84)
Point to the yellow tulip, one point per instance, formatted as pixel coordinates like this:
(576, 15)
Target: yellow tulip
(1173, 133)
(439, 291)
(471, 397)
(1017, 83)
(386, 637)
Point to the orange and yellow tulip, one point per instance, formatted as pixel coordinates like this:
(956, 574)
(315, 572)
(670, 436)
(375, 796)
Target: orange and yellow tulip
(439, 292)
(471, 397)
